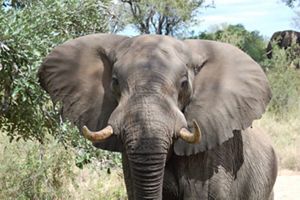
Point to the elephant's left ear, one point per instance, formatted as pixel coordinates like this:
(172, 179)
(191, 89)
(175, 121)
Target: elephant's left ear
(78, 74)
(230, 91)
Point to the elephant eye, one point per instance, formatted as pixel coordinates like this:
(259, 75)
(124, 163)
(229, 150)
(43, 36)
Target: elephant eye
(115, 81)
(184, 92)
(115, 86)
(184, 83)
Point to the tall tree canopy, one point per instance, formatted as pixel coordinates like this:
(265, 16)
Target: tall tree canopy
(160, 17)
(250, 42)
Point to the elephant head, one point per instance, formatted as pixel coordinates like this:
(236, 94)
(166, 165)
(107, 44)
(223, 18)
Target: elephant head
(150, 96)
(283, 39)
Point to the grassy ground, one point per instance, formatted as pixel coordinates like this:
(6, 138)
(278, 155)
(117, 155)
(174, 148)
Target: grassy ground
(98, 184)
(29, 170)
(285, 135)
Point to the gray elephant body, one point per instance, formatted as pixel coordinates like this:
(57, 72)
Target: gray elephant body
(243, 168)
(147, 92)
(284, 40)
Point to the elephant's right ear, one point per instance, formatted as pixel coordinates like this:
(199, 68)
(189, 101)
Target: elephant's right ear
(230, 90)
(78, 74)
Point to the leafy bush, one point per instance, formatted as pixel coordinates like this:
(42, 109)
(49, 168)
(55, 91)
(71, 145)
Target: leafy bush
(281, 121)
(285, 84)
(30, 30)
(250, 42)
(27, 35)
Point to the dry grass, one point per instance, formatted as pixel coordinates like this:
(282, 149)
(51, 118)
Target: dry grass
(29, 170)
(285, 134)
(95, 184)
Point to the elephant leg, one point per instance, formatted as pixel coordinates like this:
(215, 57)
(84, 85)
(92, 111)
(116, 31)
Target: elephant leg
(127, 177)
(170, 186)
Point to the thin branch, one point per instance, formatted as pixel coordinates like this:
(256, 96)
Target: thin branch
(160, 24)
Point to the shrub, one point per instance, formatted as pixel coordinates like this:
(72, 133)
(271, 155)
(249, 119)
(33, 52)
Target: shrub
(285, 84)
(28, 33)
(281, 121)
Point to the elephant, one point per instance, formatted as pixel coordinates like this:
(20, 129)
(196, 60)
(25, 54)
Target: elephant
(179, 111)
(284, 40)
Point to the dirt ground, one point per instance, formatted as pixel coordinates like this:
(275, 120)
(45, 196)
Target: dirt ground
(287, 186)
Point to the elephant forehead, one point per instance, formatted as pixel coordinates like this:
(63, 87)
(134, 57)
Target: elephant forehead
(147, 69)
(156, 40)
(152, 47)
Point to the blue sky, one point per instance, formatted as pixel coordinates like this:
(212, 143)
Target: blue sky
(265, 16)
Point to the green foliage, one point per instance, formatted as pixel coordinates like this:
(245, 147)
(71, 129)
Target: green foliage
(18, 4)
(285, 83)
(250, 42)
(26, 36)
(160, 17)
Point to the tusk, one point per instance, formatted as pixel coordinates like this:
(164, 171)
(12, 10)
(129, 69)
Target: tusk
(189, 137)
(97, 136)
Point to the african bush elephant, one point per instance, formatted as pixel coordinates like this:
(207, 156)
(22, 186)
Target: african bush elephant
(178, 111)
(284, 40)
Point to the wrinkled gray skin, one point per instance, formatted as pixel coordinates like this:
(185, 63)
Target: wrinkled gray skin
(148, 88)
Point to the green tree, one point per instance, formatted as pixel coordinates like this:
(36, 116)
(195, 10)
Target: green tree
(18, 4)
(250, 42)
(294, 4)
(26, 37)
(291, 3)
(160, 17)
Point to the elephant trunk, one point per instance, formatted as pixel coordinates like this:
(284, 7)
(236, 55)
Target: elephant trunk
(147, 132)
(147, 141)
(147, 175)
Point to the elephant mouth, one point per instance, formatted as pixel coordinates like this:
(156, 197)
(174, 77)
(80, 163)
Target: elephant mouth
(101, 135)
